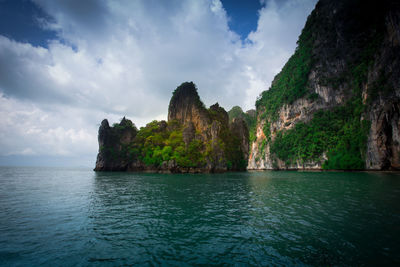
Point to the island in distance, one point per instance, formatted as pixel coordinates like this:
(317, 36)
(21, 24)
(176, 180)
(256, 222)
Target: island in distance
(194, 139)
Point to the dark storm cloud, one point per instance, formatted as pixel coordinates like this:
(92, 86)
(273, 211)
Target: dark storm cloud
(88, 16)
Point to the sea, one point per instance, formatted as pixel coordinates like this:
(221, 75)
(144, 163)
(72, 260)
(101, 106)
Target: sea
(78, 217)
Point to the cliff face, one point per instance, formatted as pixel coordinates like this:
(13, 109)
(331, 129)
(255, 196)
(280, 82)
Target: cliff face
(335, 104)
(112, 141)
(195, 139)
(186, 107)
(240, 130)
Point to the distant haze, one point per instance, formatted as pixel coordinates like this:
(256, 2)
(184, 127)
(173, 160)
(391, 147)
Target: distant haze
(66, 65)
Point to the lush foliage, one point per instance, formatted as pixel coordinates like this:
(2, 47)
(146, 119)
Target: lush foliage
(159, 142)
(340, 132)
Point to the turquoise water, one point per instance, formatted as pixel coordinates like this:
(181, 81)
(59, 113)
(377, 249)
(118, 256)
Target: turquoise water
(69, 217)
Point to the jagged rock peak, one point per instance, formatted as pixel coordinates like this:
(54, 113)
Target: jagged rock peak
(104, 124)
(185, 95)
(186, 106)
(219, 113)
(125, 122)
(215, 107)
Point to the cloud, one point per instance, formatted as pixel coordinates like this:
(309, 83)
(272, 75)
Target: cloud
(28, 130)
(117, 58)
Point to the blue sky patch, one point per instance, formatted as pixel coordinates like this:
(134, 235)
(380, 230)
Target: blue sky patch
(19, 20)
(243, 15)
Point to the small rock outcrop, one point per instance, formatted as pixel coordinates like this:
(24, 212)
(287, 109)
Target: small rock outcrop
(195, 139)
(112, 141)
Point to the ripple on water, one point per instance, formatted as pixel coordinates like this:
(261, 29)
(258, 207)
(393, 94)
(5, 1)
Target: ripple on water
(77, 217)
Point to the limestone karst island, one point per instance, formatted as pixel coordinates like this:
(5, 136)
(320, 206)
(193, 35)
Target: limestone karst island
(334, 105)
(195, 139)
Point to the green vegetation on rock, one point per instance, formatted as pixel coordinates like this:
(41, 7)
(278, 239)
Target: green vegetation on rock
(338, 132)
(194, 139)
(158, 142)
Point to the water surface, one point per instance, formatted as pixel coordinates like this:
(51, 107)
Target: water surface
(65, 217)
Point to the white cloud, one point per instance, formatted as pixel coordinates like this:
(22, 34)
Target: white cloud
(29, 130)
(270, 46)
(116, 58)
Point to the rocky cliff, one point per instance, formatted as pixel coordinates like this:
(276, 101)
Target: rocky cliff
(335, 104)
(112, 141)
(186, 107)
(195, 139)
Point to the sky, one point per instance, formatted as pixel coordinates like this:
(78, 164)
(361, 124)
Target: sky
(65, 65)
